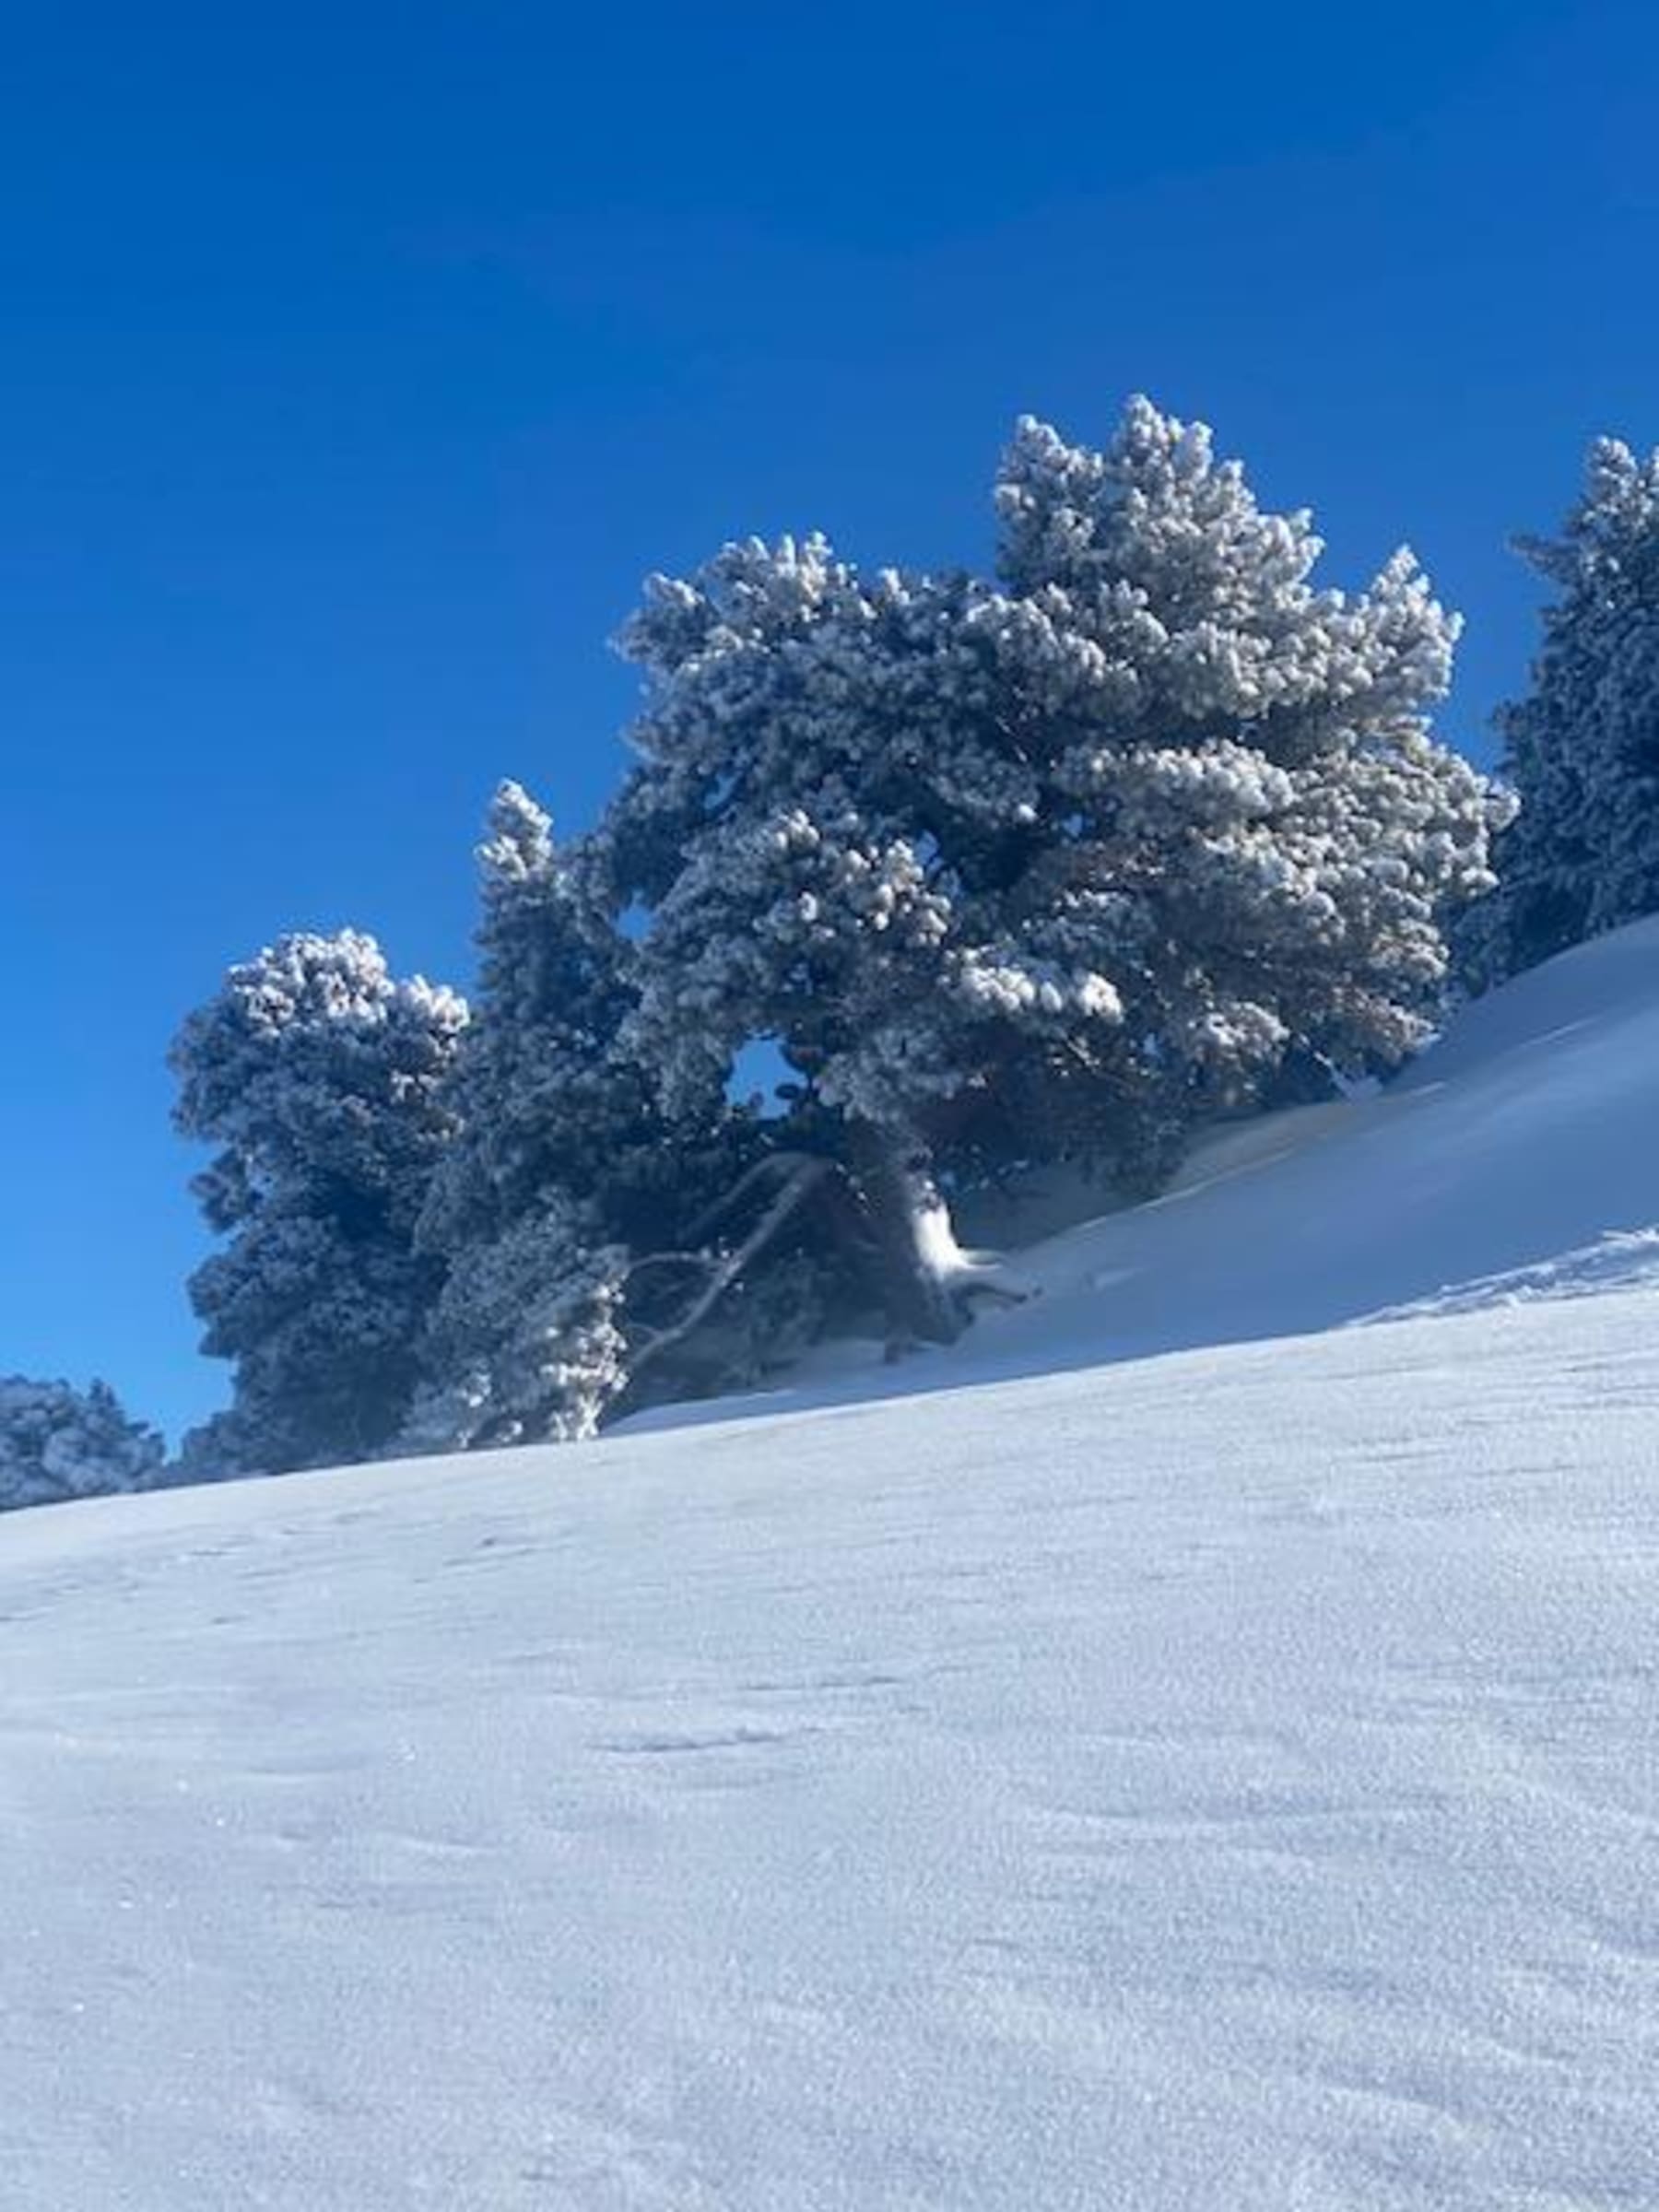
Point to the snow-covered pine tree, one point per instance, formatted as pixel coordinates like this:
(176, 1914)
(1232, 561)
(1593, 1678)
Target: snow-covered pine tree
(523, 1342)
(57, 1442)
(568, 1213)
(526, 1343)
(1105, 838)
(321, 1080)
(1582, 750)
(543, 1098)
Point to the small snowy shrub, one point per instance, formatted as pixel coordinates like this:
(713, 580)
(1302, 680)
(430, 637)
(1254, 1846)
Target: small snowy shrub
(57, 1442)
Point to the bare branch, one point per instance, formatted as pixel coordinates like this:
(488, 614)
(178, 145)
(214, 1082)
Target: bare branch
(725, 1268)
(763, 1171)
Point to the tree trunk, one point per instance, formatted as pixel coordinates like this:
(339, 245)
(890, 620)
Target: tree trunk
(909, 1227)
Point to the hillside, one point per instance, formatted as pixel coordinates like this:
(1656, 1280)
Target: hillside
(1121, 1765)
(1514, 1159)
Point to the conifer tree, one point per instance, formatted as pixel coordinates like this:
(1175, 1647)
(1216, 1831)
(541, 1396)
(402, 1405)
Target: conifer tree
(555, 1135)
(1582, 750)
(1088, 847)
(321, 1080)
(580, 1223)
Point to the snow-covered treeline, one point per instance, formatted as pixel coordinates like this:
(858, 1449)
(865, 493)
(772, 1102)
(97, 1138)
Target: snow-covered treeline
(1046, 865)
(1053, 865)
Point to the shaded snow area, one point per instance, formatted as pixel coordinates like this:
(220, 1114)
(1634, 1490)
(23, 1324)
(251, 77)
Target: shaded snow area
(1074, 1781)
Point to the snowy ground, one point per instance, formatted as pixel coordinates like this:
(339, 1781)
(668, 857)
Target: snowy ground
(1226, 1780)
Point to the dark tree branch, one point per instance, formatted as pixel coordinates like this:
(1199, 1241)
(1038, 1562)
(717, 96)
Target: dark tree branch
(725, 1268)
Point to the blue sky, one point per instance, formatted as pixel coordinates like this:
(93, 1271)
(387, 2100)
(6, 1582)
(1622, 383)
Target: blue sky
(356, 363)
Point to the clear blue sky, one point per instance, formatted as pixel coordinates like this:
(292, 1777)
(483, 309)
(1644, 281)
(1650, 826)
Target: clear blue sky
(358, 360)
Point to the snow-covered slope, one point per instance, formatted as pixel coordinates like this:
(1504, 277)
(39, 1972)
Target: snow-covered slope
(1223, 1780)
(1518, 1158)
(1520, 1141)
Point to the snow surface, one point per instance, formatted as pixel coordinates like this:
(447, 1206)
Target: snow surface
(1217, 1781)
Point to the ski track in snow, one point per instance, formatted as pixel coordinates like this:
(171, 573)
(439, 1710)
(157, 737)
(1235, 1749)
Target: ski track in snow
(1222, 1780)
